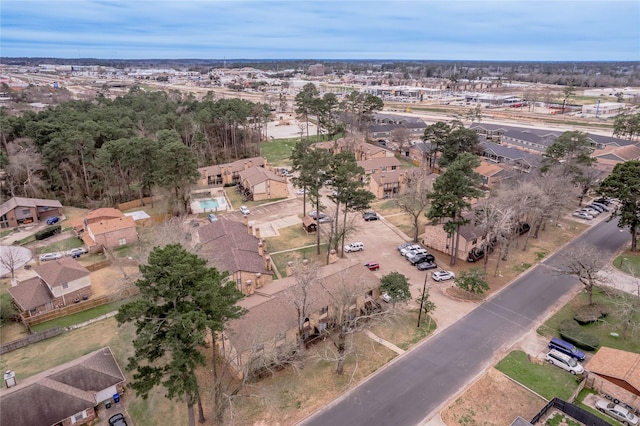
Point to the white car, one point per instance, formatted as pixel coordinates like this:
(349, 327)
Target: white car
(415, 252)
(386, 297)
(442, 275)
(50, 256)
(76, 251)
(301, 191)
(353, 247)
(407, 249)
(582, 215)
(244, 210)
(592, 212)
(564, 361)
(618, 412)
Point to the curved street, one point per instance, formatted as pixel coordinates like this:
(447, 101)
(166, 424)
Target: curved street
(411, 389)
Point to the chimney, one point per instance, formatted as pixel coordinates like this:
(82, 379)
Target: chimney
(260, 249)
(368, 156)
(267, 261)
(250, 229)
(245, 219)
(246, 165)
(258, 233)
(250, 163)
(264, 244)
(382, 179)
(289, 268)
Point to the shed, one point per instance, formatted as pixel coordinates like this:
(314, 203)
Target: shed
(309, 224)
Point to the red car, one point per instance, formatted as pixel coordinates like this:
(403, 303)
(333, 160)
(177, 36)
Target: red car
(373, 266)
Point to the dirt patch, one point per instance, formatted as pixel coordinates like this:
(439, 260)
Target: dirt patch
(112, 278)
(492, 400)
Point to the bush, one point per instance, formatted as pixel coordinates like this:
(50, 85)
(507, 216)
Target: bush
(573, 333)
(591, 313)
(48, 231)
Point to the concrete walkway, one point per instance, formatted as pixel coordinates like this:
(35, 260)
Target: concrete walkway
(384, 342)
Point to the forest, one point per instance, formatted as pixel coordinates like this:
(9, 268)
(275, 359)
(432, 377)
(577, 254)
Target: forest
(101, 152)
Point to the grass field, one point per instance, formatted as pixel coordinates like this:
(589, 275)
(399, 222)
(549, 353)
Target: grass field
(602, 329)
(278, 151)
(629, 263)
(290, 237)
(547, 380)
(310, 253)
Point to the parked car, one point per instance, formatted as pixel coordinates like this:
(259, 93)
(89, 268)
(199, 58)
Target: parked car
(604, 207)
(212, 217)
(475, 254)
(76, 252)
(564, 361)
(424, 266)
(594, 207)
(618, 412)
(357, 246)
(415, 252)
(301, 191)
(404, 245)
(117, 420)
(566, 348)
(442, 275)
(244, 210)
(314, 214)
(408, 248)
(386, 297)
(592, 212)
(523, 228)
(582, 215)
(373, 266)
(50, 256)
(604, 200)
(325, 219)
(370, 216)
(52, 220)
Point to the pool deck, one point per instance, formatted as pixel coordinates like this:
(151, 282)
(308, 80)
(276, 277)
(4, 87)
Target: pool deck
(196, 208)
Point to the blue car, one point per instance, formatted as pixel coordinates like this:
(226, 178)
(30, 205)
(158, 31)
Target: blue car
(52, 220)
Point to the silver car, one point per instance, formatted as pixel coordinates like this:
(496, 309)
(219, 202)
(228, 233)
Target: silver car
(442, 275)
(50, 256)
(618, 412)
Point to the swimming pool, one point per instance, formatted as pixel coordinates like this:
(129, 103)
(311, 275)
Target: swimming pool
(206, 205)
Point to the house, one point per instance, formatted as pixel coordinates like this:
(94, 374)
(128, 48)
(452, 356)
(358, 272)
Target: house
(361, 150)
(492, 174)
(231, 246)
(18, 211)
(616, 373)
(516, 158)
(271, 323)
(258, 183)
(379, 165)
(65, 395)
(227, 174)
(105, 228)
(611, 155)
(389, 184)
(435, 237)
(58, 283)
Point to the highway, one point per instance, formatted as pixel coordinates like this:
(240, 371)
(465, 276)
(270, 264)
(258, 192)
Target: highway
(409, 390)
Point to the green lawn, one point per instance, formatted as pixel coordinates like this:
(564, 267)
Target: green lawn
(629, 263)
(281, 259)
(603, 329)
(80, 317)
(278, 151)
(547, 380)
(290, 238)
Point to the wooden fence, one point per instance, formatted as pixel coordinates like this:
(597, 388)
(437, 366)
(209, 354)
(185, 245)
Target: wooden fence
(137, 203)
(98, 265)
(33, 338)
(81, 306)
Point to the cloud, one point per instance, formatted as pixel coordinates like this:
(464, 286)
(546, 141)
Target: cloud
(506, 30)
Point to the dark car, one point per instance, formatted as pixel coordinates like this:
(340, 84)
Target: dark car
(52, 220)
(370, 216)
(566, 348)
(422, 258)
(423, 266)
(475, 254)
(523, 228)
(117, 420)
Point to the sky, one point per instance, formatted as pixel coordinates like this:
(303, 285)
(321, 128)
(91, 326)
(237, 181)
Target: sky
(503, 30)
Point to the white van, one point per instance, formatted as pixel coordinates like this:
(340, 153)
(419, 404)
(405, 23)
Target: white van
(565, 362)
(353, 247)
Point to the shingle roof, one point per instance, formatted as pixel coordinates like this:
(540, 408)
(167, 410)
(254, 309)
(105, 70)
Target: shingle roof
(618, 364)
(31, 293)
(236, 166)
(52, 396)
(378, 163)
(277, 314)
(390, 176)
(510, 153)
(14, 202)
(257, 175)
(105, 213)
(228, 246)
(111, 225)
(60, 271)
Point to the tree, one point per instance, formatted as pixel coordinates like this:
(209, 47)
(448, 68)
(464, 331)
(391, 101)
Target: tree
(180, 299)
(400, 136)
(451, 194)
(436, 135)
(473, 281)
(415, 200)
(496, 219)
(178, 168)
(627, 126)
(396, 286)
(624, 184)
(359, 108)
(426, 305)
(567, 93)
(584, 262)
(458, 141)
(307, 279)
(12, 257)
(306, 102)
(571, 149)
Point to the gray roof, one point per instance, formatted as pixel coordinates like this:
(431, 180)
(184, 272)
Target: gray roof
(511, 153)
(228, 246)
(14, 202)
(31, 294)
(60, 271)
(55, 395)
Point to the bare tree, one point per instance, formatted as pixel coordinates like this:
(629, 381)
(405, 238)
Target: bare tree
(12, 257)
(400, 136)
(496, 218)
(415, 201)
(307, 280)
(583, 262)
(172, 231)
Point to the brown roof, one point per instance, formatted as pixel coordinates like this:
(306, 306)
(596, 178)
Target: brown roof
(228, 246)
(52, 396)
(14, 202)
(111, 225)
(31, 293)
(60, 271)
(389, 176)
(236, 166)
(379, 163)
(617, 364)
(104, 213)
(277, 314)
(257, 175)
(488, 169)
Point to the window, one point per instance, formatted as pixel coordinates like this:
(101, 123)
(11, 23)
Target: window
(26, 211)
(122, 241)
(78, 417)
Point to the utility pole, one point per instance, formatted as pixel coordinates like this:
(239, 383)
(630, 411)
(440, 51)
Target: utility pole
(424, 289)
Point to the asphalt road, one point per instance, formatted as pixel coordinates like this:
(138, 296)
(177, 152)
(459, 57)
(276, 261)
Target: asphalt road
(410, 389)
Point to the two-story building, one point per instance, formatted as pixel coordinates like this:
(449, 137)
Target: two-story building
(105, 228)
(227, 174)
(18, 211)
